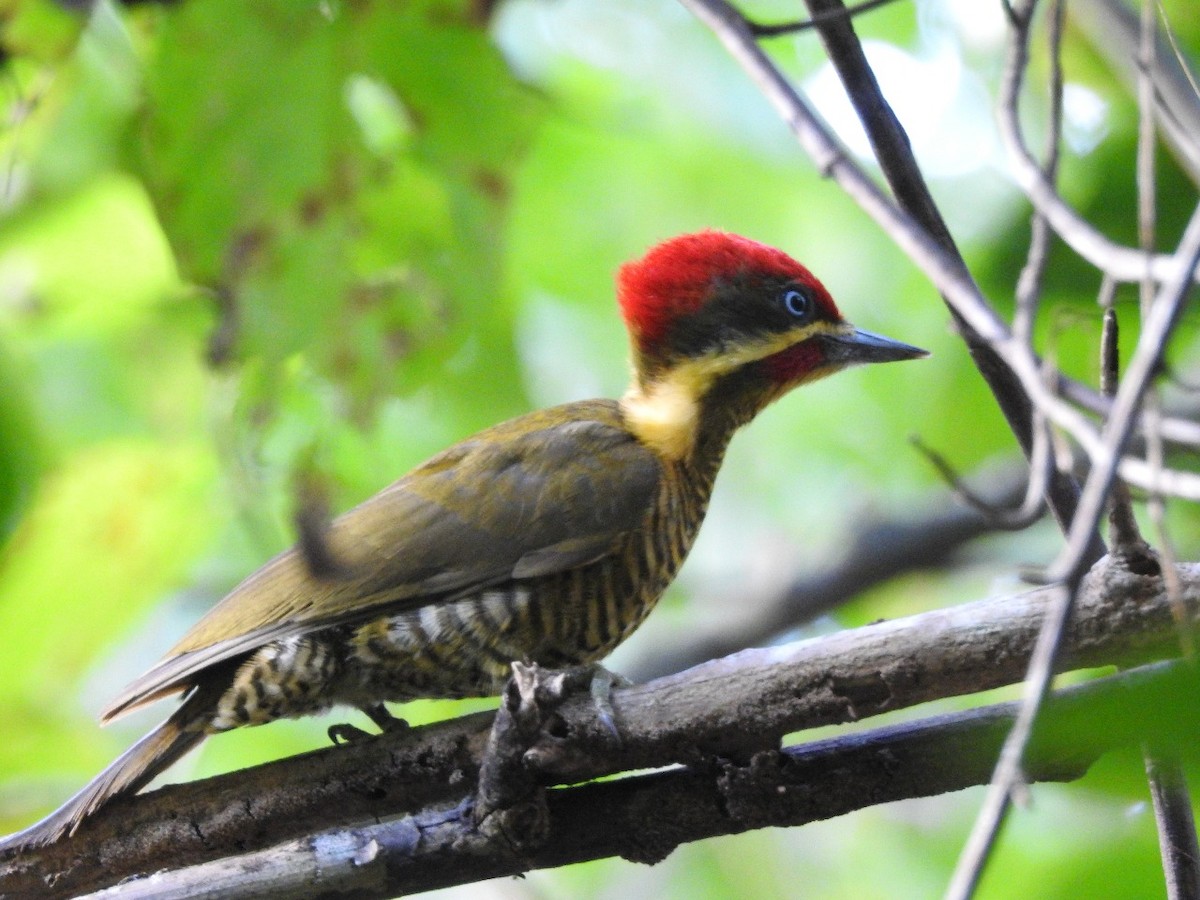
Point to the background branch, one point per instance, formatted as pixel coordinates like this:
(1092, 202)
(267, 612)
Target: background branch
(878, 551)
(1114, 32)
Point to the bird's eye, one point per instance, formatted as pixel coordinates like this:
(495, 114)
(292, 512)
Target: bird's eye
(797, 303)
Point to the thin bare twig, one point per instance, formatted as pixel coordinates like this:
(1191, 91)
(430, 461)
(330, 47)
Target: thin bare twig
(1185, 69)
(1120, 262)
(1029, 283)
(1147, 206)
(1159, 323)
(944, 269)
(1008, 518)
(784, 28)
(1176, 823)
(1168, 785)
(1008, 778)
(1125, 535)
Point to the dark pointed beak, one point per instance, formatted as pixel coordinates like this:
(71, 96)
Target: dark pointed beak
(864, 347)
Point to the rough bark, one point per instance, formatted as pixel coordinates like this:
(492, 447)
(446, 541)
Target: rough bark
(729, 709)
(644, 818)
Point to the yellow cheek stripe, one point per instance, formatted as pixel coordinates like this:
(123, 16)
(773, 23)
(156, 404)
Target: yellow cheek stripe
(665, 414)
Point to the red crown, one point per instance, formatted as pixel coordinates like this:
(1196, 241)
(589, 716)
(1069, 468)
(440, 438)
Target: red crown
(675, 278)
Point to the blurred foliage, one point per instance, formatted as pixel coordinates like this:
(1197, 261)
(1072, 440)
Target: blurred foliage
(243, 243)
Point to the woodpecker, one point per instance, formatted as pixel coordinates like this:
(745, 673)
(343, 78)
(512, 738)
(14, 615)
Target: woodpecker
(547, 538)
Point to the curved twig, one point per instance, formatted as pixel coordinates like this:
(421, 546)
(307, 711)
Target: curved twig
(1029, 282)
(1007, 518)
(1123, 263)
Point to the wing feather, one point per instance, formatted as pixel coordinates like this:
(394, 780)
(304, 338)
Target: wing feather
(544, 493)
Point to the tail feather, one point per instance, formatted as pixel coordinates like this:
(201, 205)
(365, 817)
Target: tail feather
(130, 772)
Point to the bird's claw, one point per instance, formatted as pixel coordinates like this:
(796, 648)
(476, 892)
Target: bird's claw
(345, 733)
(384, 720)
(600, 682)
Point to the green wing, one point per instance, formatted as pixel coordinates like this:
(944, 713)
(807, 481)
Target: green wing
(542, 493)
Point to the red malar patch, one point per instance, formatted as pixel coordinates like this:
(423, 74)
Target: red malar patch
(795, 362)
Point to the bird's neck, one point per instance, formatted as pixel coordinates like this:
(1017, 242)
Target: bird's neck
(690, 422)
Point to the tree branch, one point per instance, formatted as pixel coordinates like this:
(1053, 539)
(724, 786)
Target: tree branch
(732, 707)
(644, 818)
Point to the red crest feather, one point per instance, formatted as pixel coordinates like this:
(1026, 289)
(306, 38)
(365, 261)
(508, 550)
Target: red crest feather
(675, 278)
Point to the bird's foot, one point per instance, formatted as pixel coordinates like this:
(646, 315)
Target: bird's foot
(527, 736)
(510, 804)
(383, 718)
(599, 681)
(345, 733)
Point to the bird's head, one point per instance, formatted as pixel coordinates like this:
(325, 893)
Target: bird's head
(718, 319)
